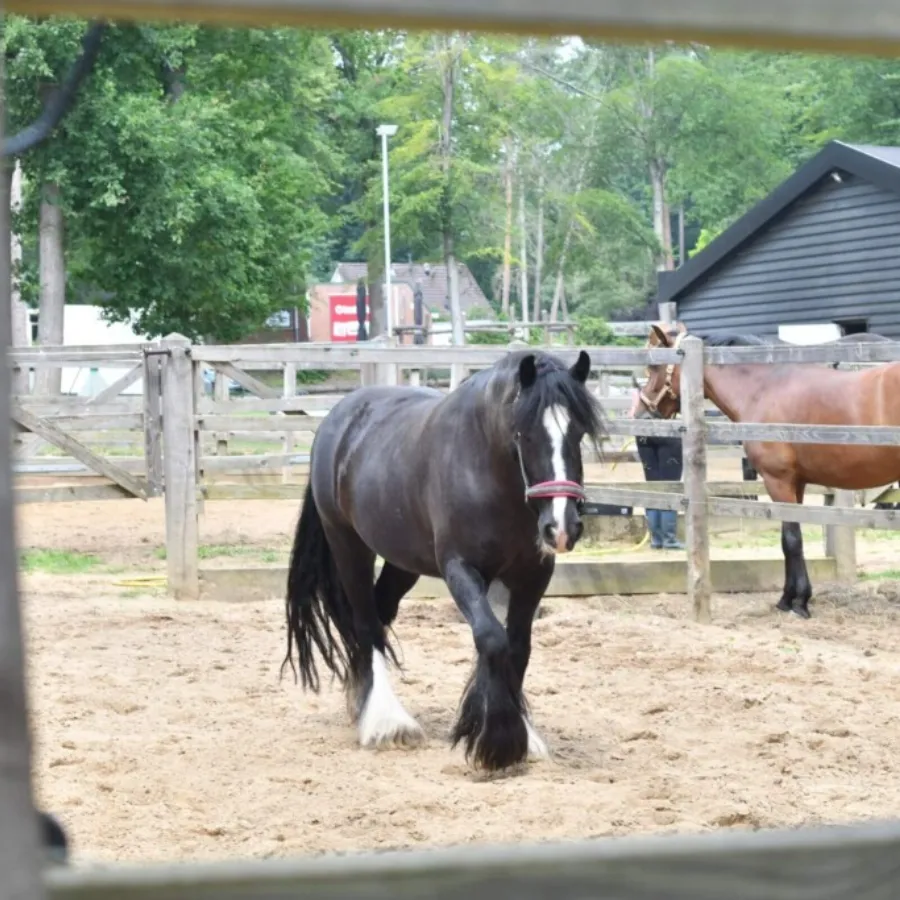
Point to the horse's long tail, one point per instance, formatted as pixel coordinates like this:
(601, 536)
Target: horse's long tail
(315, 601)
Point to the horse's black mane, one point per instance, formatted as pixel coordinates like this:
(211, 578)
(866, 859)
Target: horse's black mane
(734, 339)
(554, 385)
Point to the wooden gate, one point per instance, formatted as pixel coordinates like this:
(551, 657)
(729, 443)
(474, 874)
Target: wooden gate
(45, 427)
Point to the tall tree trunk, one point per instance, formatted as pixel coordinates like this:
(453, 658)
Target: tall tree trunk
(53, 285)
(523, 253)
(681, 250)
(507, 235)
(560, 275)
(570, 228)
(377, 313)
(561, 266)
(662, 225)
(449, 72)
(20, 322)
(539, 251)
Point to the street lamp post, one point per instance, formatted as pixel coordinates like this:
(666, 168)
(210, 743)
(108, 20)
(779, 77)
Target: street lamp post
(386, 131)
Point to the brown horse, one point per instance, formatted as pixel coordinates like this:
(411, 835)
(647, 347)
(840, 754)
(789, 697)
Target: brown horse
(805, 394)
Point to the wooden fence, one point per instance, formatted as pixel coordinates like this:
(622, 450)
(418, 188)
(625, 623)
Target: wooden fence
(204, 444)
(819, 864)
(188, 432)
(88, 430)
(393, 365)
(834, 865)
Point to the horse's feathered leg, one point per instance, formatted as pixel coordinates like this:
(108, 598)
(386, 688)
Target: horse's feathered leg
(372, 703)
(525, 595)
(491, 719)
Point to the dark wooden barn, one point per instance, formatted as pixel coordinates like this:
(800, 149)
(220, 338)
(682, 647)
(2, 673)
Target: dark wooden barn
(823, 247)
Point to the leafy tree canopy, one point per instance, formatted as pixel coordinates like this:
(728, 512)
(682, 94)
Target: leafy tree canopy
(208, 176)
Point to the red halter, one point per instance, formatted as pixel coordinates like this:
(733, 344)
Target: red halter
(547, 490)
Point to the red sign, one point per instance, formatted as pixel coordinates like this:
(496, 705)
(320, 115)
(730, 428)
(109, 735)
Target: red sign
(344, 324)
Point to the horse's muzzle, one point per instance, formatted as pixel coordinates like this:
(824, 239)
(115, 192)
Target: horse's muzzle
(561, 540)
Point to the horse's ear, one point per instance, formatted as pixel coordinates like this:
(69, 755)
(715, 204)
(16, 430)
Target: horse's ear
(582, 367)
(661, 336)
(527, 371)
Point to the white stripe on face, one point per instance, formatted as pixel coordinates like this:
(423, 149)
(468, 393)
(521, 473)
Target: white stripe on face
(556, 421)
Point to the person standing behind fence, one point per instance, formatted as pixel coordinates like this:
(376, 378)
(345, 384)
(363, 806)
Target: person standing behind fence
(661, 459)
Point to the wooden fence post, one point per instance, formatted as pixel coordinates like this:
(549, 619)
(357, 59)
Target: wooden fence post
(198, 390)
(20, 875)
(699, 581)
(289, 389)
(840, 540)
(179, 456)
(153, 454)
(220, 395)
(457, 374)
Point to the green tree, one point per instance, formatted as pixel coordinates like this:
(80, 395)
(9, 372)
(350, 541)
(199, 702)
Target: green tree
(192, 172)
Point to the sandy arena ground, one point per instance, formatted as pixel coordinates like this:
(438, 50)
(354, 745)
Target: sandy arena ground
(163, 733)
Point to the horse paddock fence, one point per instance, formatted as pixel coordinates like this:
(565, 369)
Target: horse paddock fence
(825, 863)
(830, 864)
(204, 423)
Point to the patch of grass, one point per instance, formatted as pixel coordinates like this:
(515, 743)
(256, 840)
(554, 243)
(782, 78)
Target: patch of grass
(877, 534)
(149, 590)
(209, 551)
(748, 541)
(58, 562)
(886, 575)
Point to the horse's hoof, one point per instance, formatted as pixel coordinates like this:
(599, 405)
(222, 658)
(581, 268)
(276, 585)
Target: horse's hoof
(397, 735)
(802, 612)
(384, 723)
(783, 605)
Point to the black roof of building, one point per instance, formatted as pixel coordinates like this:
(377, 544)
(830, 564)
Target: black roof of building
(878, 165)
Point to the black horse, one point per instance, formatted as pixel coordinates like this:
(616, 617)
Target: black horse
(483, 485)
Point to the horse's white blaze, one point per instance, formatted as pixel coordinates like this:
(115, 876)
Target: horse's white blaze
(556, 421)
(537, 749)
(383, 719)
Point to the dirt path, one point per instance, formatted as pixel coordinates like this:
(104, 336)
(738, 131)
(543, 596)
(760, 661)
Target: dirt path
(163, 732)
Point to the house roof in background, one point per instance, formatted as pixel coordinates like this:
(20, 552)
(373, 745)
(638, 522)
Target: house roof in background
(433, 278)
(878, 165)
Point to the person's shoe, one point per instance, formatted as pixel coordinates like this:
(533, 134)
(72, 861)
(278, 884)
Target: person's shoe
(653, 523)
(668, 526)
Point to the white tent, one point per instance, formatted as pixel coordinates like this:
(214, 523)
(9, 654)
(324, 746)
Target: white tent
(84, 325)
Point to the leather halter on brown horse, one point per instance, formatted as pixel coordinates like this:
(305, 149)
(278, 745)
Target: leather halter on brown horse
(651, 397)
(805, 394)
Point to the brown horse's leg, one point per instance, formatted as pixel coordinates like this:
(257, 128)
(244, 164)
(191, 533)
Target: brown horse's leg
(797, 586)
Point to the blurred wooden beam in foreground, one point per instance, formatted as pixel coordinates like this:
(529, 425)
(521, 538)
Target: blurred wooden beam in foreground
(865, 26)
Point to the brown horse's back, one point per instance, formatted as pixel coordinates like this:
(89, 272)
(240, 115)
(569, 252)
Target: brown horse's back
(817, 395)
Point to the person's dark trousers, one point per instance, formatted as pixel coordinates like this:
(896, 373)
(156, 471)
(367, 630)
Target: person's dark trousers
(662, 461)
